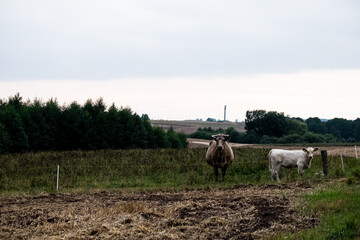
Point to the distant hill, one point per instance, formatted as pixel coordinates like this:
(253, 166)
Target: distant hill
(190, 126)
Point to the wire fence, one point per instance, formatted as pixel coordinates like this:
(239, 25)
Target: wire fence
(137, 167)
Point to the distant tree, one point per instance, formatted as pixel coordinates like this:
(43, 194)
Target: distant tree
(295, 126)
(52, 116)
(211, 120)
(99, 118)
(251, 137)
(15, 134)
(357, 129)
(315, 125)
(88, 129)
(127, 136)
(268, 140)
(266, 123)
(206, 133)
(149, 132)
(183, 139)
(291, 138)
(341, 128)
(112, 128)
(329, 138)
(298, 119)
(253, 120)
(160, 140)
(41, 124)
(311, 137)
(142, 136)
(274, 124)
(173, 139)
(46, 126)
(71, 135)
(235, 136)
(4, 139)
(16, 102)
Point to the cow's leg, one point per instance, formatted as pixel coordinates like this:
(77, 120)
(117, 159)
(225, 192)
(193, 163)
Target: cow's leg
(272, 171)
(301, 169)
(273, 174)
(216, 173)
(275, 171)
(277, 176)
(223, 171)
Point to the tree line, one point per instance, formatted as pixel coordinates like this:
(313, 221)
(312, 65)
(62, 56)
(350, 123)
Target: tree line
(273, 127)
(38, 126)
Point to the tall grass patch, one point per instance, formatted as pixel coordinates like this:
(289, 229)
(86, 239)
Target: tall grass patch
(134, 168)
(147, 168)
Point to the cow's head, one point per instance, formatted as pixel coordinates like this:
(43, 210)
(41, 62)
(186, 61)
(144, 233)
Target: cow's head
(309, 152)
(220, 140)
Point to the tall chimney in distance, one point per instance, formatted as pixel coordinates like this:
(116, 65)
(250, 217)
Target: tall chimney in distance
(225, 113)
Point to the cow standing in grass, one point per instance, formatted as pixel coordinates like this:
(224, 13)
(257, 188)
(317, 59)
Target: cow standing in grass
(219, 154)
(289, 159)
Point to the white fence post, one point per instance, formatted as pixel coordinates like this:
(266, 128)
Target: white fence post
(342, 163)
(57, 178)
(356, 154)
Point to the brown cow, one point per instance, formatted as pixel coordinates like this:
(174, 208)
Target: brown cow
(219, 154)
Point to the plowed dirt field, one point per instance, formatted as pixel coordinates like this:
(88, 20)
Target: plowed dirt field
(242, 212)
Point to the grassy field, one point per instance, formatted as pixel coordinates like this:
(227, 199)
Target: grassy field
(31, 172)
(326, 207)
(161, 168)
(338, 212)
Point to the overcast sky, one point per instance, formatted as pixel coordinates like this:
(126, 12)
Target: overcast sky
(186, 59)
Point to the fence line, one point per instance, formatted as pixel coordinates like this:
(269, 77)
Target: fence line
(356, 154)
(169, 165)
(342, 163)
(57, 178)
(121, 170)
(120, 165)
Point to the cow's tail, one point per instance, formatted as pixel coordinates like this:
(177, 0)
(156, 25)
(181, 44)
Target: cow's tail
(269, 157)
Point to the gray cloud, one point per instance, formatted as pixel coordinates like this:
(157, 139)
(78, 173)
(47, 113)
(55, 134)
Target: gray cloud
(114, 39)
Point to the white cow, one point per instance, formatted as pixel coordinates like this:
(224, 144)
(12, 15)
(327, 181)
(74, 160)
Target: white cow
(289, 159)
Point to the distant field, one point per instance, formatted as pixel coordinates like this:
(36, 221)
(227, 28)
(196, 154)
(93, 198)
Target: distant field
(190, 126)
(349, 151)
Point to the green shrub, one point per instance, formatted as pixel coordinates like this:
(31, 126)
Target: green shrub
(268, 140)
(292, 138)
(310, 137)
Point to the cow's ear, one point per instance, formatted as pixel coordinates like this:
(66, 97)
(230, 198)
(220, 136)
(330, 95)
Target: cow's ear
(304, 149)
(227, 137)
(316, 149)
(214, 137)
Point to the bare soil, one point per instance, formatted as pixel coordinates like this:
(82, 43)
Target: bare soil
(243, 212)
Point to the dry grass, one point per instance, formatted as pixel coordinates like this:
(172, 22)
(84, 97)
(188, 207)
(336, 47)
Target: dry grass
(331, 150)
(192, 126)
(243, 212)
